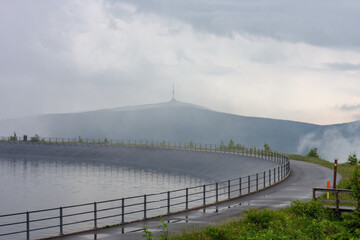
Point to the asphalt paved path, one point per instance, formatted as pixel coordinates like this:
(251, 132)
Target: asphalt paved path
(304, 176)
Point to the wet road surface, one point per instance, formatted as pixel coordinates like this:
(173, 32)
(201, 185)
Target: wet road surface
(304, 176)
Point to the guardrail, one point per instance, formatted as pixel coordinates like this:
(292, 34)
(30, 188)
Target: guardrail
(236, 148)
(66, 219)
(339, 193)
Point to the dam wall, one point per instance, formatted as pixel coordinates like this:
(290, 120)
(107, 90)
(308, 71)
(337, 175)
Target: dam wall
(203, 163)
(234, 173)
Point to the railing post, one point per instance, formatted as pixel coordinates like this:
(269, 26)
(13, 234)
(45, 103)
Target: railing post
(249, 184)
(217, 192)
(278, 173)
(288, 164)
(229, 189)
(274, 175)
(264, 178)
(61, 221)
(314, 194)
(145, 206)
(122, 210)
(240, 186)
(187, 199)
(337, 201)
(204, 192)
(27, 225)
(168, 201)
(95, 215)
(269, 177)
(257, 181)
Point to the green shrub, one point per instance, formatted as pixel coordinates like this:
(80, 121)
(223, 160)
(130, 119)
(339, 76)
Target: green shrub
(147, 234)
(222, 145)
(14, 137)
(351, 220)
(215, 233)
(259, 218)
(313, 153)
(312, 209)
(36, 138)
(231, 144)
(163, 230)
(352, 159)
(355, 184)
(267, 148)
(315, 229)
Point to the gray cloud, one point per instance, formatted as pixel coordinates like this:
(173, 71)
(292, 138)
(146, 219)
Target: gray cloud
(321, 23)
(344, 66)
(66, 56)
(347, 107)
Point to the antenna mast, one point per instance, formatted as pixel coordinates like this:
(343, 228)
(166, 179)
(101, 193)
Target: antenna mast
(173, 98)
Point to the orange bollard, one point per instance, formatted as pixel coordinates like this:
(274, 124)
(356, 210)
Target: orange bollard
(328, 186)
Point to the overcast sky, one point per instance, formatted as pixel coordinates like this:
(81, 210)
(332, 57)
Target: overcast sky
(296, 60)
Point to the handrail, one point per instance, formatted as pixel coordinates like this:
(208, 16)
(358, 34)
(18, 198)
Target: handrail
(152, 205)
(337, 200)
(235, 149)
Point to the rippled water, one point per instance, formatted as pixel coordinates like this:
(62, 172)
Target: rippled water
(31, 185)
(28, 185)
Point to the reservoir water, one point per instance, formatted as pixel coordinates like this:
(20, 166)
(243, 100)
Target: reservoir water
(32, 185)
(57, 176)
(28, 185)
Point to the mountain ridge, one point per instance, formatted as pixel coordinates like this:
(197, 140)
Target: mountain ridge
(182, 122)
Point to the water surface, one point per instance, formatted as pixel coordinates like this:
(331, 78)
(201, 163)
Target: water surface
(32, 185)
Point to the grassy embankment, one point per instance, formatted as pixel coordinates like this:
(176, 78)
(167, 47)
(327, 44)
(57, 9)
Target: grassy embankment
(302, 220)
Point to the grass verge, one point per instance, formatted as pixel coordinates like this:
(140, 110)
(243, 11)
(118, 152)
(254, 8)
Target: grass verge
(302, 220)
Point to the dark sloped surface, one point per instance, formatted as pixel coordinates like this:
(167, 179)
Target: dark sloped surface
(209, 165)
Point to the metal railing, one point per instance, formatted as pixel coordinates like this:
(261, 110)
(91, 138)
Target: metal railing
(342, 198)
(235, 149)
(66, 219)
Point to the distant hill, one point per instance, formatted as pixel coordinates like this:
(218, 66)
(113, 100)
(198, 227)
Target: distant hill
(182, 122)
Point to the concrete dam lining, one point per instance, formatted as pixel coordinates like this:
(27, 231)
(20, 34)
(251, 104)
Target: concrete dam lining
(231, 174)
(216, 166)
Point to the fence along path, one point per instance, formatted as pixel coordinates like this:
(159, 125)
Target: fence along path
(91, 215)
